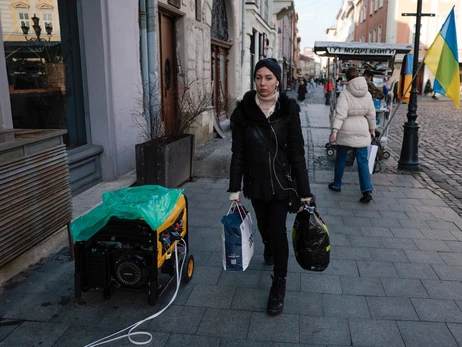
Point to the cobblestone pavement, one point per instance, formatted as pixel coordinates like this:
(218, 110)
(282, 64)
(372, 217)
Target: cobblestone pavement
(439, 151)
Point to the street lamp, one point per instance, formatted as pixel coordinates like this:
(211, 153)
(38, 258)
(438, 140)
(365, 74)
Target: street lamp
(37, 29)
(409, 159)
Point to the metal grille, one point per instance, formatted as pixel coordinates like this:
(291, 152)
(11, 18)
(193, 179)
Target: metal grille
(219, 21)
(35, 200)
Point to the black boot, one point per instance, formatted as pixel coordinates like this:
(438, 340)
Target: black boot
(267, 254)
(366, 197)
(277, 294)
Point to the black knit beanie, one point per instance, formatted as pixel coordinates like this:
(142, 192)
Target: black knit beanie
(271, 64)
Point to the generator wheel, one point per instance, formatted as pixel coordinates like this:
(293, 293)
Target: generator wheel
(330, 152)
(188, 269)
(386, 154)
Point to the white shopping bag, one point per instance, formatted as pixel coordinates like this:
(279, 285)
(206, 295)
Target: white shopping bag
(371, 154)
(237, 238)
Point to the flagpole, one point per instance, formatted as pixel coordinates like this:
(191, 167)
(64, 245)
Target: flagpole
(409, 159)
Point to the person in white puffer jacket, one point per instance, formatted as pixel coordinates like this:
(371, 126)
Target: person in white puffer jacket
(352, 128)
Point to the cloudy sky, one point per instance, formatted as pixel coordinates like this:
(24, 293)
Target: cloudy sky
(314, 17)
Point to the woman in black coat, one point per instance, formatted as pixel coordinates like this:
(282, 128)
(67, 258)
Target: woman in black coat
(264, 171)
(302, 91)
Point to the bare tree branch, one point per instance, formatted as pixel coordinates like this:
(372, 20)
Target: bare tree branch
(149, 114)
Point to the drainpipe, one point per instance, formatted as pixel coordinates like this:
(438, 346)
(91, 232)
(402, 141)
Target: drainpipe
(151, 6)
(144, 58)
(243, 35)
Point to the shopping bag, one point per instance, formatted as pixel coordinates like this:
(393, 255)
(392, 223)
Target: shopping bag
(237, 238)
(380, 155)
(371, 154)
(311, 240)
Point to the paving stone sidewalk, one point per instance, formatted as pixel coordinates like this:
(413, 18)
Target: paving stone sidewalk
(394, 278)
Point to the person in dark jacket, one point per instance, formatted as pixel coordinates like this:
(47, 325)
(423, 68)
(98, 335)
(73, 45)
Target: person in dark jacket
(375, 92)
(266, 112)
(301, 91)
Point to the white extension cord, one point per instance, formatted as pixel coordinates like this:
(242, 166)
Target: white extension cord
(132, 327)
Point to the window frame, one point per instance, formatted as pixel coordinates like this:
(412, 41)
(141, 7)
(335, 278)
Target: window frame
(27, 22)
(46, 12)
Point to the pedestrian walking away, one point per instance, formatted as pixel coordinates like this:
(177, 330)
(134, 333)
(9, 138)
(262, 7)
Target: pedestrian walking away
(301, 91)
(267, 116)
(352, 128)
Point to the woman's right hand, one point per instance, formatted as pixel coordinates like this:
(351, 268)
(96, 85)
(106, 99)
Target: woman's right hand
(234, 197)
(333, 138)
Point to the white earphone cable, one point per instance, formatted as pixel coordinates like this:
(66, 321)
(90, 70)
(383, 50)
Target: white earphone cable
(274, 163)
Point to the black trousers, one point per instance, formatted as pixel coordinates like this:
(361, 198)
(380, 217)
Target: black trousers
(271, 221)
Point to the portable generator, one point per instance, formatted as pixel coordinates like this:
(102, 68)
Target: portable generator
(129, 254)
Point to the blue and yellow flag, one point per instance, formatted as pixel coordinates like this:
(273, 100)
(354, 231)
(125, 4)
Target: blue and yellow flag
(443, 61)
(405, 79)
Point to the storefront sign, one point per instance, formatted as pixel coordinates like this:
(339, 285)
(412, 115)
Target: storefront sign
(176, 3)
(362, 51)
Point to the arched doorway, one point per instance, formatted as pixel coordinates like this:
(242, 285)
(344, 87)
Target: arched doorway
(220, 51)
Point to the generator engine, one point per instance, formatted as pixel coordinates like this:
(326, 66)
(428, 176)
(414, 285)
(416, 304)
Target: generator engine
(128, 254)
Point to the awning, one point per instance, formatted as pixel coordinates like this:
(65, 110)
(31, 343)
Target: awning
(25, 50)
(372, 51)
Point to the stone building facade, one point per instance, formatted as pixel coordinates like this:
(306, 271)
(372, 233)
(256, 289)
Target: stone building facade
(120, 47)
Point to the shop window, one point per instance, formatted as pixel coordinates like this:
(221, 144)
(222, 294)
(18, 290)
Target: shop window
(44, 70)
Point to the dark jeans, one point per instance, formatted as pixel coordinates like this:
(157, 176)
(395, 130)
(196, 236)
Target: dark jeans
(271, 221)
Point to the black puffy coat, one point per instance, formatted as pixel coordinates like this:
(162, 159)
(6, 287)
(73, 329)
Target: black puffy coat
(252, 161)
(301, 92)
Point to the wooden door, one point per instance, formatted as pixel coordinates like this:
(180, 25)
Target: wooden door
(167, 72)
(220, 78)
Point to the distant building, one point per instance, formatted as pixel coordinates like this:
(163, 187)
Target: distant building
(382, 21)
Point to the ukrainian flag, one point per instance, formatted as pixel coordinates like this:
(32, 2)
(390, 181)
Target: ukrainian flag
(406, 78)
(443, 61)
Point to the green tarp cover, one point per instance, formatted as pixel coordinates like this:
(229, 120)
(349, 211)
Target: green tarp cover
(152, 203)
